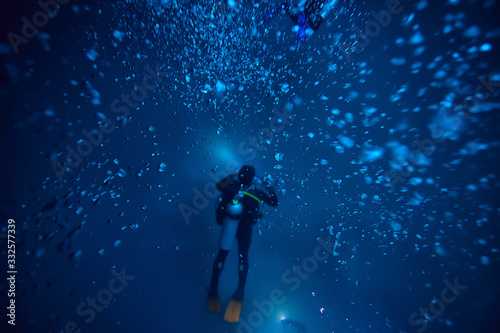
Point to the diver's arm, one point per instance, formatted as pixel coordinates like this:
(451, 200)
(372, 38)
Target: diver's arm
(273, 199)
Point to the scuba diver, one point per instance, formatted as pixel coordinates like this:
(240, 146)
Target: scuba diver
(306, 19)
(237, 212)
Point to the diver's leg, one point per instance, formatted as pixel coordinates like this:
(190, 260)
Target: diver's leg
(217, 270)
(244, 237)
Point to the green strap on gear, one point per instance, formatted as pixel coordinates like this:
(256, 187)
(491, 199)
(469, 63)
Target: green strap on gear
(252, 196)
(236, 201)
(262, 208)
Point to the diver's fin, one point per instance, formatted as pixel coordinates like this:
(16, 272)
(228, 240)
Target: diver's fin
(213, 304)
(233, 311)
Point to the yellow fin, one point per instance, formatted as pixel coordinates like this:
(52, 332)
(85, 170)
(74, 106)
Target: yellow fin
(233, 311)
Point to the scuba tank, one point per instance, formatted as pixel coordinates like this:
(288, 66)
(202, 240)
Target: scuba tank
(231, 221)
(232, 212)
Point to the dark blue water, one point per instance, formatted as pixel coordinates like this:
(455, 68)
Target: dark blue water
(380, 134)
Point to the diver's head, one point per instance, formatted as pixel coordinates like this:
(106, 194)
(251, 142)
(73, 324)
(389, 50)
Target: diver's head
(246, 175)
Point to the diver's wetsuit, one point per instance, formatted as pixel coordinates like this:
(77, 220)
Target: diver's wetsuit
(310, 18)
(229, 187)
